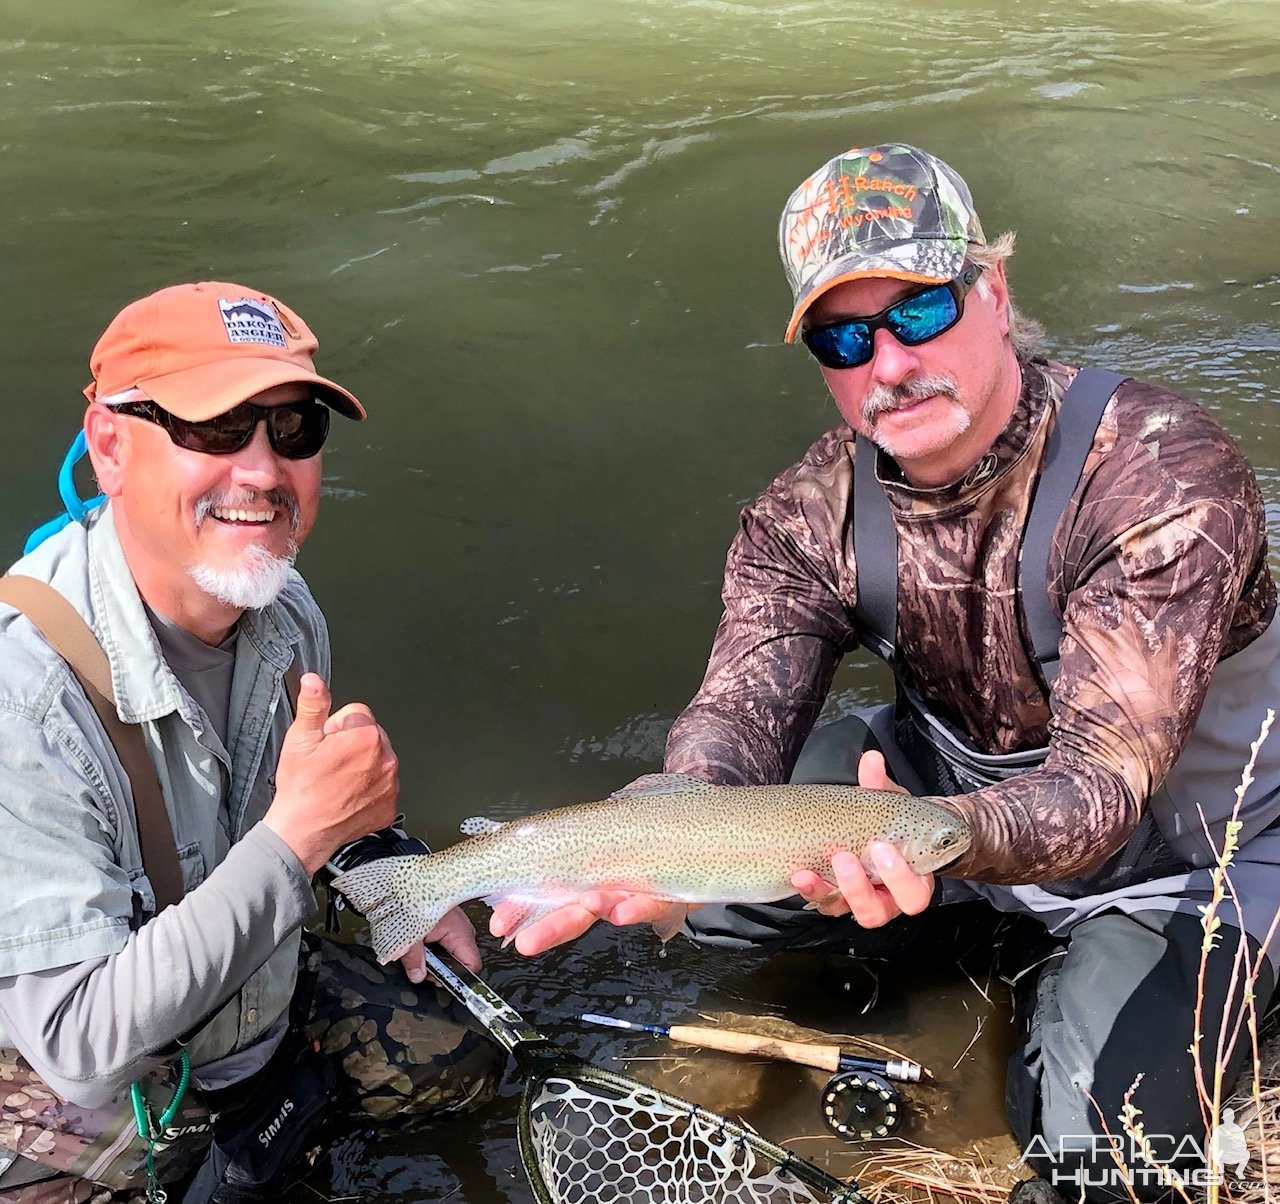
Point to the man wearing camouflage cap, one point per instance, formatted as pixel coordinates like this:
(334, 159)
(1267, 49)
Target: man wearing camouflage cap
(138, 942)
(1066, 571)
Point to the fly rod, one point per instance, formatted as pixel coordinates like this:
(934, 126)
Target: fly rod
(824, 1057)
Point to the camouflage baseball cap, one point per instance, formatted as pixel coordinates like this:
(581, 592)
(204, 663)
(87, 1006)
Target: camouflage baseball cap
(889, 210)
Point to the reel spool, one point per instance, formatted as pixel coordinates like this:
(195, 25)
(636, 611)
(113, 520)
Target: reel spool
(859, 1105)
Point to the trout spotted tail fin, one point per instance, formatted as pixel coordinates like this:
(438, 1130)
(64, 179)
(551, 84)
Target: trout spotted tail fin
(396, 923)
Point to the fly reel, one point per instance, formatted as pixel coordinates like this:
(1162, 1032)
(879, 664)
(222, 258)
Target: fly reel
(859, 1105)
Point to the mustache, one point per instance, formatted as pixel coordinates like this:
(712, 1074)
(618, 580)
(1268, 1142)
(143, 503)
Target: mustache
(280, 499)
(884, 398)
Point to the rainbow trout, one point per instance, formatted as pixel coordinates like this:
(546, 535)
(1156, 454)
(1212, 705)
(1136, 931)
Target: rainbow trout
(668, 835)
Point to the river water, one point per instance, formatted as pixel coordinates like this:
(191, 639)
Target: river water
(539, 241)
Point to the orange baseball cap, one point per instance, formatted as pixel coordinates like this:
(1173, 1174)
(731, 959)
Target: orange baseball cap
(199, 350)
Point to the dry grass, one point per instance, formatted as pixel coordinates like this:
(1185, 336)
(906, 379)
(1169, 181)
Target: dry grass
(919, 1175)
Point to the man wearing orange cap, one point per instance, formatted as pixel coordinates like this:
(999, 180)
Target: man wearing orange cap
(138, 942)
(1066, 571)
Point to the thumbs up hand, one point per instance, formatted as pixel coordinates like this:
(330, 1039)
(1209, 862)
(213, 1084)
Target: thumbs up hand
(337, 778)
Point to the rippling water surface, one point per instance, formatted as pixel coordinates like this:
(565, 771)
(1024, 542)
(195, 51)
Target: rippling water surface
(538, 240)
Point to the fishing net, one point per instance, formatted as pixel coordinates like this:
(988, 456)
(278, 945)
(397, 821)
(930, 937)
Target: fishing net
(591, 1136)
(588, 1136)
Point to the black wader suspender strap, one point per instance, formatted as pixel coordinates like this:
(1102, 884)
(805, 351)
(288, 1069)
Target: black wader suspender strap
(72, 639)
(1064, 456)
(293, 686)
(875, 538)
(875, 552)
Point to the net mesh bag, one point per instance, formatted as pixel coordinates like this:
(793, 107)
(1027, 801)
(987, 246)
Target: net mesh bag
(596, 1138)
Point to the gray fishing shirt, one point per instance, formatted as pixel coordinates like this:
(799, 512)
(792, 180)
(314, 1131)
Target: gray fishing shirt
(224, 960)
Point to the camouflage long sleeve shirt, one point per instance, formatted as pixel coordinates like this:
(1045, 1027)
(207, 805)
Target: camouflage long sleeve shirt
(1158, 569)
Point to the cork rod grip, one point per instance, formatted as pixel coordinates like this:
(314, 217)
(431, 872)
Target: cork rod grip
(824, 1057)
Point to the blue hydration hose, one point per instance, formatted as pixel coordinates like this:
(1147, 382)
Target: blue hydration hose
(76, 507)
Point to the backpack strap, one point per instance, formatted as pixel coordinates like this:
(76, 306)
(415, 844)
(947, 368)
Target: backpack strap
(72, 638)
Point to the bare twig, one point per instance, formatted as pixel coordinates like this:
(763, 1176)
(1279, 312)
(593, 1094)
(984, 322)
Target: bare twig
(977, 1032)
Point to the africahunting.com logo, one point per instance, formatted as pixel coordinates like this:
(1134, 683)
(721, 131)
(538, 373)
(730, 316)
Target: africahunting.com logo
(1079, 1161)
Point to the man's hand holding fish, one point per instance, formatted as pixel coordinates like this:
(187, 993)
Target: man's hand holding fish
(900, 891)
(567, 923)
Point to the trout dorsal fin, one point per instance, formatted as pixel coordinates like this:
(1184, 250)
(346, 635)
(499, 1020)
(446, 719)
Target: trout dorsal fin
(662, 783)
(479, 825)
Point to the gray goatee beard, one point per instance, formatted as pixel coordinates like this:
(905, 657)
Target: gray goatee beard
(258, 578)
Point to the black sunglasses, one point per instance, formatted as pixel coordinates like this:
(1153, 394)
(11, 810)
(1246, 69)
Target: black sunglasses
(916, 318)
(296, 430)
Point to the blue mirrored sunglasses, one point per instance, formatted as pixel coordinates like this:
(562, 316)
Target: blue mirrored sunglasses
(915, 319)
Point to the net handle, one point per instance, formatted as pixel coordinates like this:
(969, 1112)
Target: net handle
(500, 1019)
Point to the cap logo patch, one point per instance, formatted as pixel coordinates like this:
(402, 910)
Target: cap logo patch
(252, 321)
(891, 210)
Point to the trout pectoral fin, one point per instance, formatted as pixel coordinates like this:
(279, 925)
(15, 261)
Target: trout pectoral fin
(526, 912)
(671, 921)
(817, 904)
